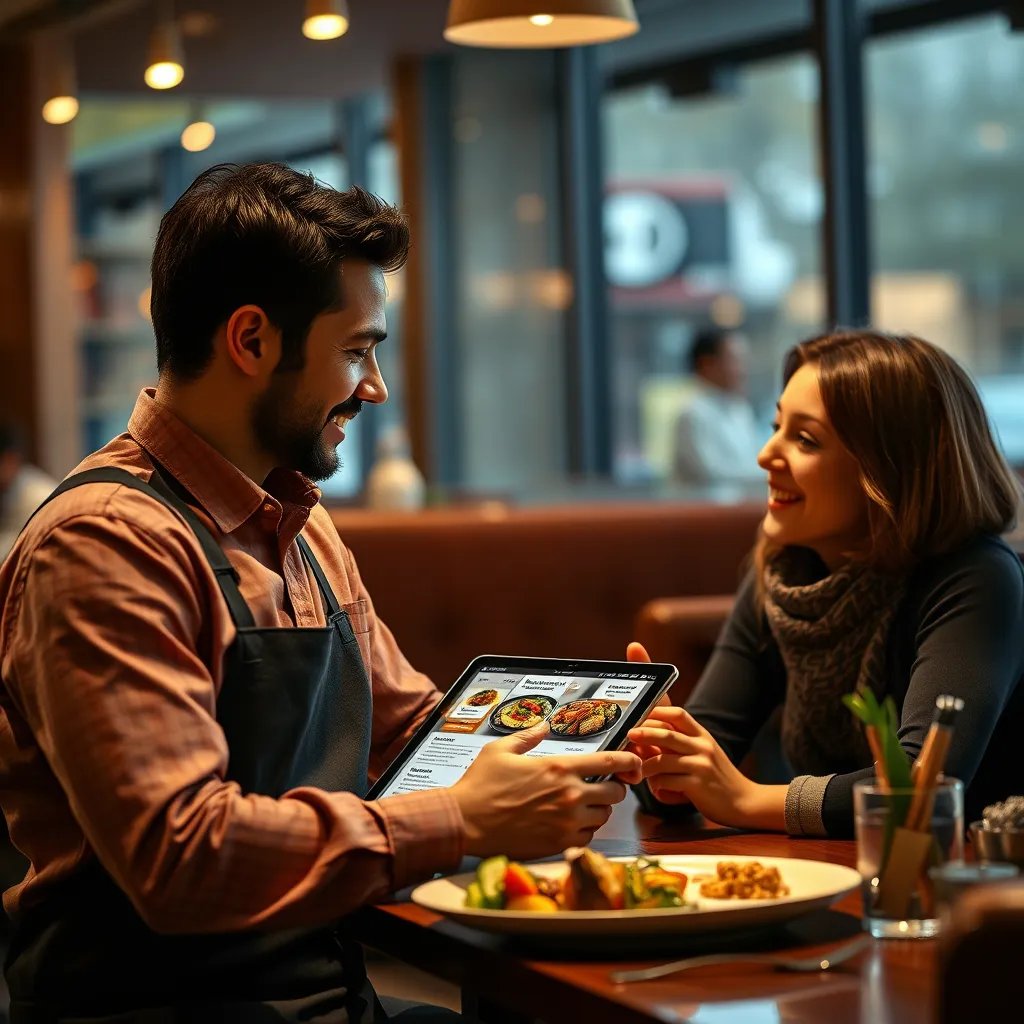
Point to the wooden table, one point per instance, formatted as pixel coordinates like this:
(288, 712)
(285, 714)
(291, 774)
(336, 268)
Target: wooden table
(504, 981)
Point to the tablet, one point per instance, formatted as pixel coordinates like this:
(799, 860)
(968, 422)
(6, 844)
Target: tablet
(588, 705)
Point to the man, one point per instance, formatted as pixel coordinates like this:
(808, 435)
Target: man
(196, 687)
(716, 438)
(22, 486)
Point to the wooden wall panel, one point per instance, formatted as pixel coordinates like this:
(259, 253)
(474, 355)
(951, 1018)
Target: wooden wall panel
(18, 373)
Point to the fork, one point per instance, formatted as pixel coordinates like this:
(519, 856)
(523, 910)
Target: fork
(783, 963)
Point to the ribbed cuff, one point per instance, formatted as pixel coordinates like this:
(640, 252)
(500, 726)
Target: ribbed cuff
(426, 833)
(805, 799)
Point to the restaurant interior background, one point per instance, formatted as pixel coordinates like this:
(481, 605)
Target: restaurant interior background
(577, 215)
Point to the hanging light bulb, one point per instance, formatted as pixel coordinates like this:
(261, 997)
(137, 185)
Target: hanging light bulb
(166, 68)
(325, 19)
(61, 104)
(539, 23)
(199, 133)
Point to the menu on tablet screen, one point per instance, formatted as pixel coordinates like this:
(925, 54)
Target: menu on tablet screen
(581, 712)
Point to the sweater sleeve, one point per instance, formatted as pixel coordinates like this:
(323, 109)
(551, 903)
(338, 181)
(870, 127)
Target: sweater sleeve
(966, 635)
(744, 680)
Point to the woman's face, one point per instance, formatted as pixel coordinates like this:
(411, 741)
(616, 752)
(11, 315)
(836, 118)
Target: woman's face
(814, 495)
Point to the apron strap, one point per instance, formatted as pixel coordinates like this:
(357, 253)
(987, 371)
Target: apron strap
(333, 608)
(158, 488)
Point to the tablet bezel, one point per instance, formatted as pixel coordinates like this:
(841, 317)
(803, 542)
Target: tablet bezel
(665, 675)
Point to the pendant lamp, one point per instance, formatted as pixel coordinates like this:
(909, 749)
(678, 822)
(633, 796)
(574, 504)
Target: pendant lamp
(166, 65)
(539, 23)
(61, 104)
(325, 19)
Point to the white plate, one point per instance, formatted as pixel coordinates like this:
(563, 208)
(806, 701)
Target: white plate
(812, 885)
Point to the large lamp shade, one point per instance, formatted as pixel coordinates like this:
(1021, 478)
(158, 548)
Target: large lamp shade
(539, 23)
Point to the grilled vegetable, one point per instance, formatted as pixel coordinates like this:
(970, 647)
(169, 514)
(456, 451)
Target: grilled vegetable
(475, 896)
(534, 903)
(490, 874)
(519, 882)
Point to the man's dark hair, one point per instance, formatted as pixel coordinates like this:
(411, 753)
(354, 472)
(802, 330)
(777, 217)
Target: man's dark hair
(707, 342)
(266, 235)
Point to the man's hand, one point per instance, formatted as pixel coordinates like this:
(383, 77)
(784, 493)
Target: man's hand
(537, 806)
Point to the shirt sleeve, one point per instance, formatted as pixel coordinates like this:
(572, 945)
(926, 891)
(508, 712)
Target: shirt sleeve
(119, 700)
(693, 460)
(967, 643)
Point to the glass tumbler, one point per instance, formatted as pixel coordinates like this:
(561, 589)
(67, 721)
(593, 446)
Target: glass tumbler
(901, 836)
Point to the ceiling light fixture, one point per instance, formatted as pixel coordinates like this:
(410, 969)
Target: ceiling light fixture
(539, 23)
(61, 104)
(166, 64)
(325, 19)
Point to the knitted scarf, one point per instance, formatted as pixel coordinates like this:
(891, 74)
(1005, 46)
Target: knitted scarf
(831, 631)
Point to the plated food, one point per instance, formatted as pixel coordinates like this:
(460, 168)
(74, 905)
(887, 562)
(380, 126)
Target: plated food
(812, 885)
(481, 699)
(592, 882)
(749, 881)
(521, 712)
(584, 717)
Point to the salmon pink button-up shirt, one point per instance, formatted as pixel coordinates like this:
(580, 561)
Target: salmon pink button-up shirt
(113, 632)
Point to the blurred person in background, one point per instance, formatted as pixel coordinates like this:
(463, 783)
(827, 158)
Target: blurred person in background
(23, 487)
(716, 436)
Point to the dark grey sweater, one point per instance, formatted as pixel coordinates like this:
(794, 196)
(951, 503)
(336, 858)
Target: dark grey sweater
(959, 630)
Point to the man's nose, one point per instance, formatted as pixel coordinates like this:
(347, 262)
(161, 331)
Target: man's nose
(372, 387)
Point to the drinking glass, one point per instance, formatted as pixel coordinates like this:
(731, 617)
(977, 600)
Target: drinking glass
(893, 861)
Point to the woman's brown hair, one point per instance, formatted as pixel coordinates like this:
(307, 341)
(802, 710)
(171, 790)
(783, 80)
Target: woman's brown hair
(912, 418)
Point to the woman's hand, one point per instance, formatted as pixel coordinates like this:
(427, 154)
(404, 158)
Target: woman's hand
(683, 763)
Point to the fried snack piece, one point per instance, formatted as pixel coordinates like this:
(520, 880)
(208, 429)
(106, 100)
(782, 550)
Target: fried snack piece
(751, 881)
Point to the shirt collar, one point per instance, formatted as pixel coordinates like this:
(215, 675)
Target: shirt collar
(218, 485)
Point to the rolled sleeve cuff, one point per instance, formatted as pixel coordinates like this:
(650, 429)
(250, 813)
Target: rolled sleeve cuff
(425, 831)
(805, 799)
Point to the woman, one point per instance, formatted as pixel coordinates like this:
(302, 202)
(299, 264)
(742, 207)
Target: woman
(879, 564)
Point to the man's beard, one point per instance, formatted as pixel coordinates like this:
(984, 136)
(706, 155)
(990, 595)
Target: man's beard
(293, 432)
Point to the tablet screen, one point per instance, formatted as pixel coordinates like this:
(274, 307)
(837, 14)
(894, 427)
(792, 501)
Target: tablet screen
(588, 706)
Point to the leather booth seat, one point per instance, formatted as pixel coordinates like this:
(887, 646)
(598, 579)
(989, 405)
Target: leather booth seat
(566, 581)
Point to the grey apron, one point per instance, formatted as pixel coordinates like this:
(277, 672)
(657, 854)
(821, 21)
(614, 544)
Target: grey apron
(296, 709)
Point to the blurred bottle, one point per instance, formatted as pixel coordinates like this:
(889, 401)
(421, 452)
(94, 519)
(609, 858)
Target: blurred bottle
(394, 481)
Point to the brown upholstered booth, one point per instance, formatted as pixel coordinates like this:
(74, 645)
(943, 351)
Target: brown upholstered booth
(566, 581)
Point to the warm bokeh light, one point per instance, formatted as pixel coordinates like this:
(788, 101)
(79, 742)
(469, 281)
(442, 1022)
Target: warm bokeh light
(197, 136)
(60, 109)
(530, 208)
(551, 289)
(325, 26)
(727, 311)
(165, 74)
(84, 275)
(993, 136)
(541, 20)
(144, 301)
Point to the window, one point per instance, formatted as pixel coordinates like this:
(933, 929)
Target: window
(946, 159)
(713, 213)
(511, 289)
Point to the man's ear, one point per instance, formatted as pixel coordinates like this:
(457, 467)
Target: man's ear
(253, 342)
